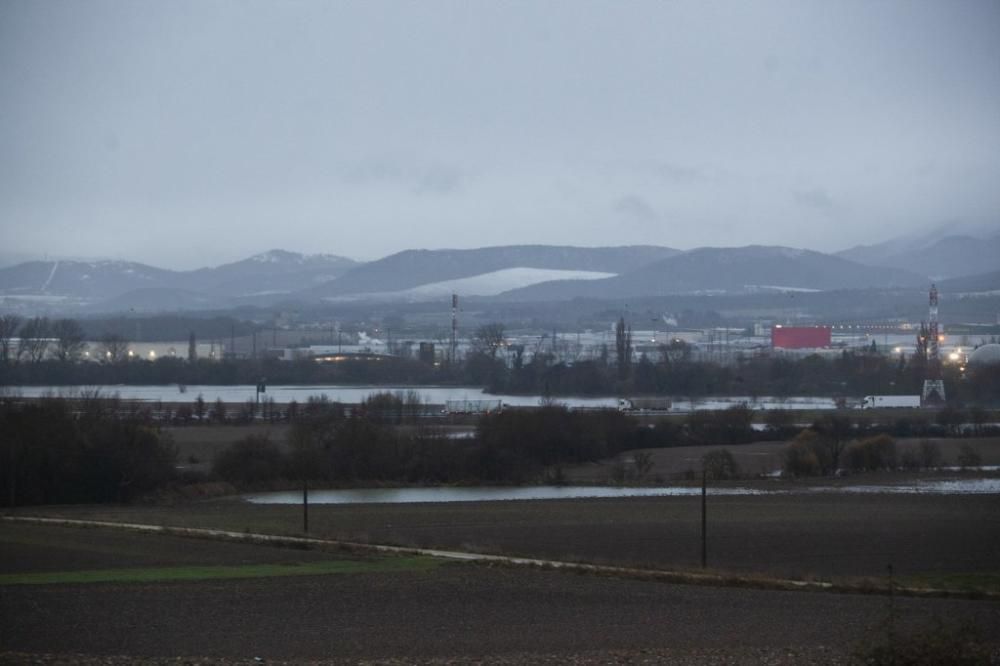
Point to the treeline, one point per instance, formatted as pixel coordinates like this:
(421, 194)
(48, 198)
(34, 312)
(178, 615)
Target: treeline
(378, 443)
(815, 453)
(847, 374)
(50, 352)
(330, 446)
(86, 450)
(92, 449)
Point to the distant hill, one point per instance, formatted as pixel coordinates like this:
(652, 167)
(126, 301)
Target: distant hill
(729, 270)
(413, 268)
(984, 282)
(941, 258)
(159, 299)
(508, 273)
(81, 279)
(274, 272)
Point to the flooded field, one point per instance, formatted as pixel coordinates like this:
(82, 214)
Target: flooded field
(496, 493)
(431, 395)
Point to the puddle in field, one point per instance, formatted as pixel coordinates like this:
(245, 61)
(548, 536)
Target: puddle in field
(948, 487)
(480, 494)
(502, 493)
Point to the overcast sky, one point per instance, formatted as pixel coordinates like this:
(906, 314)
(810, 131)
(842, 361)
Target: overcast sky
(190, 133)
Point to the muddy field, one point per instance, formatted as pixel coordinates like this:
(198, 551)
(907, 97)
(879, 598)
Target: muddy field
(763, 458)
(36, 548)
(820, 535)
(454, 613)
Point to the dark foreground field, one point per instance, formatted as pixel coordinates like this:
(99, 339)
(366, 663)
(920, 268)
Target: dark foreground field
(796, 535)
(448, 613)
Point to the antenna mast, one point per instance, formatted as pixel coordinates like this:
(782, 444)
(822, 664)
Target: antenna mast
(933, 392)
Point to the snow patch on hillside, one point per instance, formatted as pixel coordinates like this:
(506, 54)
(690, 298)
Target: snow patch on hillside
(497, 282)
(484, 284)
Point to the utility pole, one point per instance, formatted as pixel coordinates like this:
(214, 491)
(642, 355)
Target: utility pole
(704, 520)
(305, 504)
(261, 388)
(454, 327)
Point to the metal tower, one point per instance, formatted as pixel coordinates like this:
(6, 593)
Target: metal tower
(933, 383)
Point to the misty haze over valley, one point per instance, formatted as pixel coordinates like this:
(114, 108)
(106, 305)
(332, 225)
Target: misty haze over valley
(500, 332)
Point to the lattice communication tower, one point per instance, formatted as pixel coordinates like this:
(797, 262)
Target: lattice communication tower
(933, 383)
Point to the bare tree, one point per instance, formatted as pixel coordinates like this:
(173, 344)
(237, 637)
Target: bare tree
(219, 411)
(643, 461)
(836, 431)
(623, 348)
(34, 339)
(69, 339)
(114, 348)
(720, 465)
(979, 418)
(489, 338)
(9, 323)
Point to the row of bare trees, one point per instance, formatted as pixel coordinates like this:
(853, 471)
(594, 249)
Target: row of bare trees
(32, 340)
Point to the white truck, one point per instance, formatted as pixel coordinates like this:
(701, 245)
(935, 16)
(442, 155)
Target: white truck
(644, 404)
(890, 401)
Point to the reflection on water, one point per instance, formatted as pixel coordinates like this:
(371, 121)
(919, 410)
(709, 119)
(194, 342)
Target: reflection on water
(478, 494)
(950, 487)
(433, 395)
(491, 493)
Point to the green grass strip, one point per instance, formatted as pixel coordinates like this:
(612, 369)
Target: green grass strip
(986, 582)
(160, 574)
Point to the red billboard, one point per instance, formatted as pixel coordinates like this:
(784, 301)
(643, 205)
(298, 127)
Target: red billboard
(800, 337)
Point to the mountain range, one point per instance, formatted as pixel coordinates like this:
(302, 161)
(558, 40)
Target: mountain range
(730, 270)
(939, 257)
(131, 285)
(504, 274)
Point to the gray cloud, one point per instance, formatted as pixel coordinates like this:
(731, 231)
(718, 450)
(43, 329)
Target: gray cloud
(193, 132)
(424, 179)
(816, 199)
(676, 173)
(635, 209)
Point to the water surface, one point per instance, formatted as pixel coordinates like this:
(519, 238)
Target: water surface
(506, 493)
(433, 395)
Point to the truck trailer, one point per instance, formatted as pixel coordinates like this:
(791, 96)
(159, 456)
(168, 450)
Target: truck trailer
(890, 401)
(644, 404)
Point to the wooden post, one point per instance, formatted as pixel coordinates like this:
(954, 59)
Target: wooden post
(305, 506)
(704, 522)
